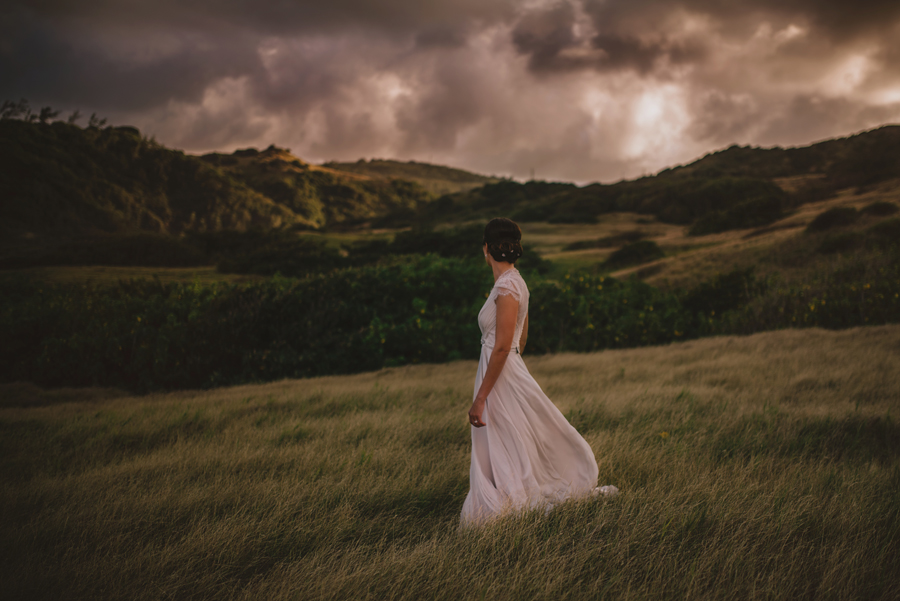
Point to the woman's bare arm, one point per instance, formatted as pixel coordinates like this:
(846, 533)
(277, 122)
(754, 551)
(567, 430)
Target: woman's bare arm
(524, 338)
(507, 311)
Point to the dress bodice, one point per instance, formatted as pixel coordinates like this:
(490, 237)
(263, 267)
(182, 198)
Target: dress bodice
(509, 283)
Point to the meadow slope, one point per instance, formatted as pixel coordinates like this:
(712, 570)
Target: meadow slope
(765, 466)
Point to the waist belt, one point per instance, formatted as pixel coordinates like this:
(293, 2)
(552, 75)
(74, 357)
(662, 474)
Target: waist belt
(514, 349)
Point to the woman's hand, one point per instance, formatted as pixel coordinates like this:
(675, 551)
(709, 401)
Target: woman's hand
(476, 411)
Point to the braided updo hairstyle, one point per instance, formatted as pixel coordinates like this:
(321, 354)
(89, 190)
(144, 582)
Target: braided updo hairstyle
(504, 239)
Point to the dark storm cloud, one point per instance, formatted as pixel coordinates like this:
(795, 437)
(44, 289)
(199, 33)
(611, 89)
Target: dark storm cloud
(545, 35)
(282, 17)
(442, 36)
(577, 89)
(548, 37)
(637, 34)
(837, 18)
(48, 62)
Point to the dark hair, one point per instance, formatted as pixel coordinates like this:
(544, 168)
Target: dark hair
(504, 239)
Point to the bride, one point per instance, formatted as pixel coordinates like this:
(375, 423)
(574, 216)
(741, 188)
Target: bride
(524, 452)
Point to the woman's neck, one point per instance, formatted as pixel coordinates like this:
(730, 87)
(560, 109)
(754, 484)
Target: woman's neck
(500, 268)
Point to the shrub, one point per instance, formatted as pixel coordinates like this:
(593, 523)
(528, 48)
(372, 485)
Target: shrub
(290, 256)
(880, 209)
(886, 233)
(146, 335)
(859, 289)
(751, 213)
(883, 235)
(143, 336)
(737, 199)
(293, 256)
(581, 245)
(842, 242)
(572, 217)
(463, 241)
(532, 263)
(722, 293)
(611, 241)
(220, 244)
(832, 218)
(532, 213)
(642, 251)
(584, 313)
(142, 249)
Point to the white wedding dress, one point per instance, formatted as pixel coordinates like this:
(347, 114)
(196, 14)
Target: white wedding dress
(527, 455)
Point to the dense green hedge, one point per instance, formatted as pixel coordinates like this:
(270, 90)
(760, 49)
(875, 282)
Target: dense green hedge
(587, 313)
(144, 335)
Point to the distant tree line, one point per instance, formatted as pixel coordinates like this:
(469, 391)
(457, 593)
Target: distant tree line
(21, 110)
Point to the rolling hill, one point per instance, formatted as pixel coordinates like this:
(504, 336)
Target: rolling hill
(734, 188)
(436, 179)
(321, 195)
(64, 188)
(58, 179)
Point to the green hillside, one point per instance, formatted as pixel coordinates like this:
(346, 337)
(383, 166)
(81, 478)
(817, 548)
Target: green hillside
(735, 188)
(436, 179)
(320, 195)
(57, 178)
(110, 196)
(60, 179)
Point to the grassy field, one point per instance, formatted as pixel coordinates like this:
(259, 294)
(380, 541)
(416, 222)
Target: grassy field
(758, 467)
(769, 248)
(691, 259)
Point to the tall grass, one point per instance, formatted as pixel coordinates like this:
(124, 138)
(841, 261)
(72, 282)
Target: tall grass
(765, 466)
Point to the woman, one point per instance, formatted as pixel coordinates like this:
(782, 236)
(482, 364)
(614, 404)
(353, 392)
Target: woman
(524, 452)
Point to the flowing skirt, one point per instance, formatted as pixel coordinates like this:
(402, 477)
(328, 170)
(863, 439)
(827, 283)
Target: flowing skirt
(527, 455)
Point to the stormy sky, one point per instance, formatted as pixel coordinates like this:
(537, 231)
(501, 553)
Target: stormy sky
(578, 90)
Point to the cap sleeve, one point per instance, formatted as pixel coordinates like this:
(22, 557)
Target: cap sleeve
(507, 290)
(508, 285)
